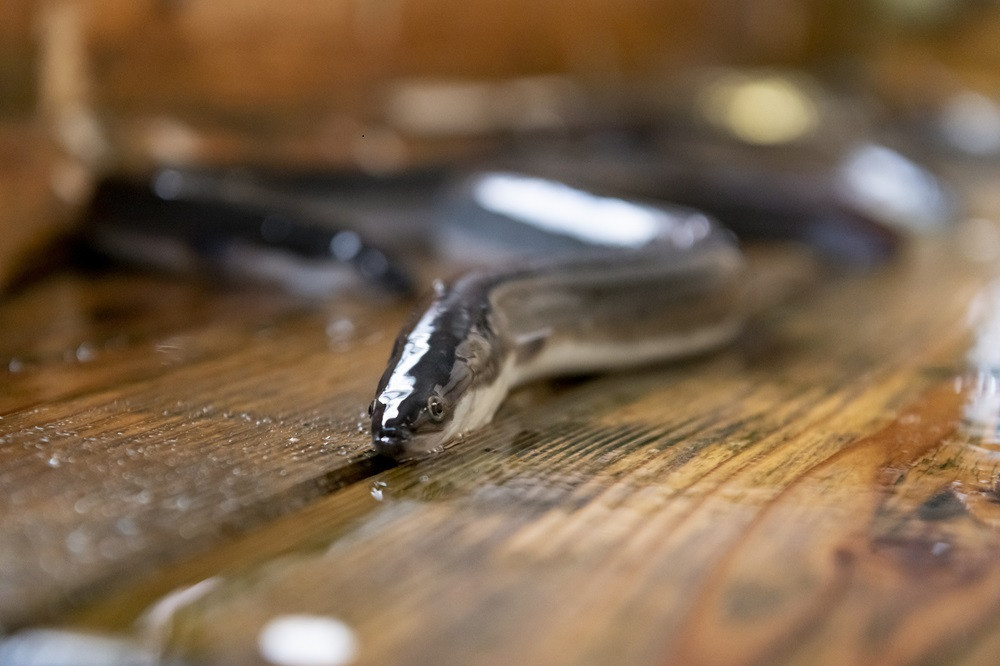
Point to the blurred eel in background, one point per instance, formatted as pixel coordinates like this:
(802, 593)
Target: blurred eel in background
(115, 90)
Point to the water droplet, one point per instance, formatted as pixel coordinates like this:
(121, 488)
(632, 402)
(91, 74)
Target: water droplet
(168, 184)
(54, 462)
(181, 503)
(340, 330)
(78, 541)
(345, 245)
(377, 490)
(293, 440)
(373, 264)
(15, 365)
(127, 526)
(84, 353)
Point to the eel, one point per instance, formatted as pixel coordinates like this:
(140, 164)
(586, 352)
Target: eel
(632, 283)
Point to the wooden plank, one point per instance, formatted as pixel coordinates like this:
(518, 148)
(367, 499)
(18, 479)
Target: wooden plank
(809, 495)
(804, 502)
(143, 449)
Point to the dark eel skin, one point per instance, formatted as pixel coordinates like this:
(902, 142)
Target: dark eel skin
(647, 283)
(588, 304)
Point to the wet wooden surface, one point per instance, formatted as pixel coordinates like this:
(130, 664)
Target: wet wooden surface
(813, 494)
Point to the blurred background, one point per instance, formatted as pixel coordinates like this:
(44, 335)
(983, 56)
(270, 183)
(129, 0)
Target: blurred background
(96, 87)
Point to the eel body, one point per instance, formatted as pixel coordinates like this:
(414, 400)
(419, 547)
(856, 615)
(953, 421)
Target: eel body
(635, 283)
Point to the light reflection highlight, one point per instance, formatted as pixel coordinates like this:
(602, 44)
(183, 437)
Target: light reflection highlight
(56, 647)
(307, 640)
(760, 108)
(893, 188)
(566, 211)
(403, 381)
(982, 408)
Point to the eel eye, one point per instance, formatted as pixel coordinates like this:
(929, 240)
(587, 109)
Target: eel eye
(435, 408)
(371, 407)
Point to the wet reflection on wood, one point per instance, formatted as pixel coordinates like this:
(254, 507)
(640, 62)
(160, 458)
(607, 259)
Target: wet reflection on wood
(810, 495)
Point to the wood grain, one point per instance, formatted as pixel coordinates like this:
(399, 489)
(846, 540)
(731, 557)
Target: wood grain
(809, 495)
(120, 434)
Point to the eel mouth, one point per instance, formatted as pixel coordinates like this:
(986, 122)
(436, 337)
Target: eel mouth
(388, 445)
(402, 445)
